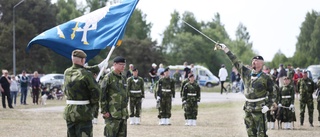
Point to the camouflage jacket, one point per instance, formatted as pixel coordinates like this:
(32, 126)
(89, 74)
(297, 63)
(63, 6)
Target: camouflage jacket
(80, 85)
(290, 74)
(286, 95)
(114, 96)
(182, 85)
(256, 86)
(177, 77)
(191, 92)
(306, 88)
(135, 87)
(165, 84)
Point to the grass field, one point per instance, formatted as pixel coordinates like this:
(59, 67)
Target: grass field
(224, 119)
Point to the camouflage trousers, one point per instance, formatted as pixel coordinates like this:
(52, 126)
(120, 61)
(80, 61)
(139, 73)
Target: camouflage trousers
(310, 107)
(135, 106)
(191, 110)
(286, 114)
(115, 127)
(165, 107)
(255, 124)
(79, 129)
(318, 107)
(270, 118)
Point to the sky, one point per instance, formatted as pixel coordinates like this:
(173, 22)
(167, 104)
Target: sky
(272, 24)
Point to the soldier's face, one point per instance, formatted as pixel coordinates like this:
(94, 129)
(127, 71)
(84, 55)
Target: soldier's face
(119, 67)
(257, 64)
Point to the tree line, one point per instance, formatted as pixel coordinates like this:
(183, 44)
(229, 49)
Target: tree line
(180, 42)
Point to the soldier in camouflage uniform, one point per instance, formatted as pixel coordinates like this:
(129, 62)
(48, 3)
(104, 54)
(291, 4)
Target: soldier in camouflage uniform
(285, 101)
(306, 88)
(135, 89)
(258, 93)
(318, 98)
(82, 93)
(165, 95)
(177, 77)
(190, 99)
(114, 100)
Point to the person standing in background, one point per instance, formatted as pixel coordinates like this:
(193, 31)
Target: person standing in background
(24, 81)
(5, 88)
(223, 74)
(14, 90)
(36, 85)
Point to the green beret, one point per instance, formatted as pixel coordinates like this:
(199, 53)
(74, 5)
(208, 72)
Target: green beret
(79, 53)
(119, 59)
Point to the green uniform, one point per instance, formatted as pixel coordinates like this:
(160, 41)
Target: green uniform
(182, 86)
(136, 92)
(190, 98)
(258, 92)
(166, 92)
(286, 98)
(271, 117)
(82, 93)
(114, 100)
(177, 77)
(318, 99)
(306, 88)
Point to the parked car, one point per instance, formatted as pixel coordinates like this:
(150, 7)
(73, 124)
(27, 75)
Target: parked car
(315, 72)
(52, 80)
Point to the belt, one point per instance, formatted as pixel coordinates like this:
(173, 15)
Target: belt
(135, 91)
(285, 96)
(78, 102)
(166, 90)
(192, 94)
(255, 100)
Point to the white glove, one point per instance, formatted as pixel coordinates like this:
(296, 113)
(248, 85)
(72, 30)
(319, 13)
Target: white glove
(172, 99)
(100, 65)
(158, 98)
(291, 106)
(264, 109)
(221, 46)
(279, 105)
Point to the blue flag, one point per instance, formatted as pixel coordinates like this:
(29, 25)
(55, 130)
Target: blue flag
(91, 32)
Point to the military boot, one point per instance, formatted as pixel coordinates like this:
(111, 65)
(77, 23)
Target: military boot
(186, 122)
(162, 121)
(167, 121)
(271, 125)
(137, 122)
(194, 122)
(189, 122)
(132, 120)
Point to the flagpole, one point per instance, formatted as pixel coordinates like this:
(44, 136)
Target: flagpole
(105, 63)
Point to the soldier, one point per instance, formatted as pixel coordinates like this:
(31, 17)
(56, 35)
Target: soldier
(177, 78)
(165, 96)
(306, 87)
(82, 93)
(114, 100)
(258, 92)
(190, 99)
(318, 98)
(285, 101)
(136, 94)
(290, 72)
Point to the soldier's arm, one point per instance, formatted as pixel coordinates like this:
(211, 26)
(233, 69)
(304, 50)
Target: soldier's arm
(94, 88)
(142, 87)
(292, 95)
(270, 87)
(172, 88)
(103, 97)
(198, 93)
(185, 91)
(128, 86)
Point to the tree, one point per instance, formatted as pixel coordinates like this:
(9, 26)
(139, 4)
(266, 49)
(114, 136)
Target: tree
(29, 23)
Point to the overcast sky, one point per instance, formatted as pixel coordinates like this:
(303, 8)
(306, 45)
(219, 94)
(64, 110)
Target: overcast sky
(272, 24)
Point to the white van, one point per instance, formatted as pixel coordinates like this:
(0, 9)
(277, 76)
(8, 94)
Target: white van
(315, 72)
(203, 75)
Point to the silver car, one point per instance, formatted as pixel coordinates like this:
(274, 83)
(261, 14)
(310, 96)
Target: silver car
(52, 80)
